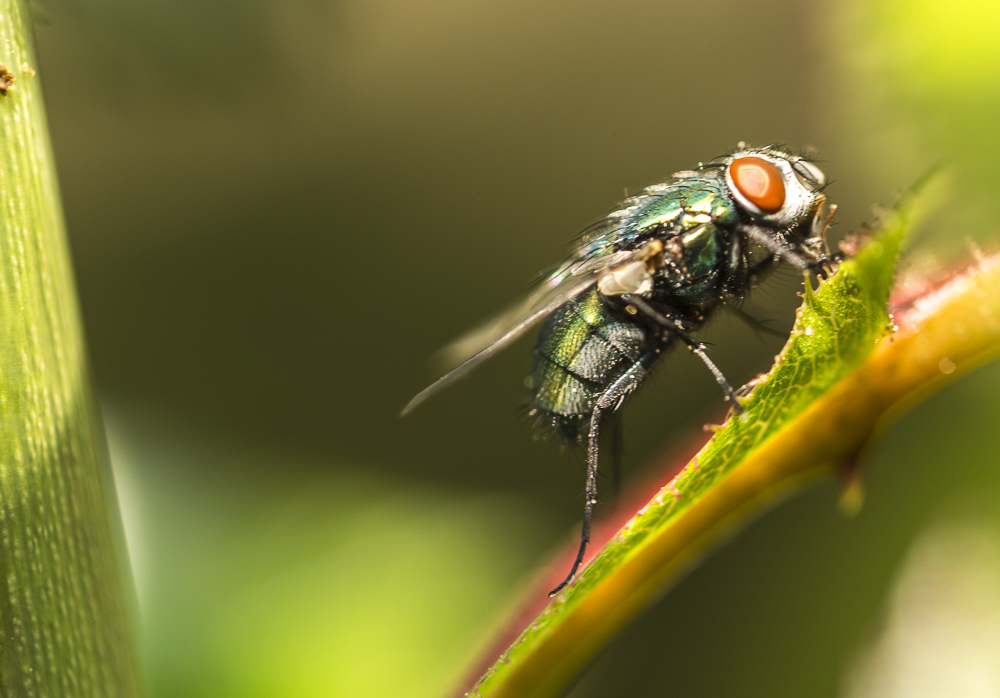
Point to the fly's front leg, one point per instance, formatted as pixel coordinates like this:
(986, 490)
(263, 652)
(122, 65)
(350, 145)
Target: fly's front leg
(822, 264)
(809, 258)
(778, 248)
(676, 328)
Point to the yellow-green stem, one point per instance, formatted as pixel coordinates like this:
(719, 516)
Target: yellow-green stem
(850, 373)
(65, 598)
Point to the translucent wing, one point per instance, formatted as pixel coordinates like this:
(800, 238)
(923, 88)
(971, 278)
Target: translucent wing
(571, 279)
(497, 336)
(599, 249)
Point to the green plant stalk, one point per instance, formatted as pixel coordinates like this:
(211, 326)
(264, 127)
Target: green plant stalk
(844, 373)
(65, 602)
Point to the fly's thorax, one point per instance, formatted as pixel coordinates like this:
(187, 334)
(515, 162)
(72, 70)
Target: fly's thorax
(694, 254)
(680, 238)
(689, 202)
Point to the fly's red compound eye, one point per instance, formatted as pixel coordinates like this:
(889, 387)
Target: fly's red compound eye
(760, 182)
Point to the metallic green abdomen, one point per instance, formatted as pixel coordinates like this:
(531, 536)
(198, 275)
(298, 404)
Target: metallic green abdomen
(582, 348)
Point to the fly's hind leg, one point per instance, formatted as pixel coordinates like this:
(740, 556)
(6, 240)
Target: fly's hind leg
(617, 451)
(675, 328)
(608, 401)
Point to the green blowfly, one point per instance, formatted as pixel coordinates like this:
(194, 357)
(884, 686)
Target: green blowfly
(646, 276)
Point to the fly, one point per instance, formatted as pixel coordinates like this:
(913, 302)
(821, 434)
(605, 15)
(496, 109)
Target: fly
(646, 276)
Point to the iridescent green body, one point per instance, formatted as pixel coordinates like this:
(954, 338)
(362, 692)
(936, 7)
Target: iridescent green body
(646, 276)
(592, 341)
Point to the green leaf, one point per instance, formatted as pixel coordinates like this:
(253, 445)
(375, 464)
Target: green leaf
(65, 600)
(846, 368)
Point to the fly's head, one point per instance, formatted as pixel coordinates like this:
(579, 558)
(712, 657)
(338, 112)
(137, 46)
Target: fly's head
(783, 206)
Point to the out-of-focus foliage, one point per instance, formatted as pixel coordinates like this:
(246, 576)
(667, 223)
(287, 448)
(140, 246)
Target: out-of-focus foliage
(940, 66)
(263, 583)
(941, 632)
(925, 79)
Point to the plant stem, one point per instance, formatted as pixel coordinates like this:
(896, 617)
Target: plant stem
(65, 602)
(843, 375)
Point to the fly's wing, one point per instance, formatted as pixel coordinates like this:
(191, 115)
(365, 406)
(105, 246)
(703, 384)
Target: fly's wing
(557, 288)
(568, 281)
(599, 249)
(498, 335)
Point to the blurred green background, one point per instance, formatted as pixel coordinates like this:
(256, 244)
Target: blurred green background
(279, 209)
